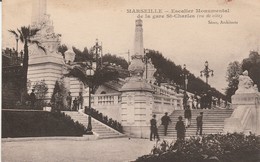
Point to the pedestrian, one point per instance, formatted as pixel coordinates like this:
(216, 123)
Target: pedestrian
(32, 98)
(185, 99)
(75, 104)
(196, 99)
(180, 127)
(165, 122)
(154, 131)
(80, 101)
(69, 100)
(208, 99)
(203, 101)
(187, 116)
(199, 123)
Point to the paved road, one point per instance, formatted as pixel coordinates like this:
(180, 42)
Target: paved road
(104, 150)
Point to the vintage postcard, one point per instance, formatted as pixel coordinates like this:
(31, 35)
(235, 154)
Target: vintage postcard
(116, 80)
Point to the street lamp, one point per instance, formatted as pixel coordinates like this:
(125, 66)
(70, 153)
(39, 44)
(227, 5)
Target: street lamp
(185, 74)
(17, 39)
(90, 72)
(206, 71)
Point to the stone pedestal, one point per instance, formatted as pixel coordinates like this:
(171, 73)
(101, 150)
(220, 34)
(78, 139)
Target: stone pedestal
(246, 115)
(136, 112)
(46, 67)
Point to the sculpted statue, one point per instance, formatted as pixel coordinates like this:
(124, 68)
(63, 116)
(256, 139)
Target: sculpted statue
(246, 84)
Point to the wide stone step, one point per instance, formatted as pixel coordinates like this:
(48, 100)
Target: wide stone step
(213, 122)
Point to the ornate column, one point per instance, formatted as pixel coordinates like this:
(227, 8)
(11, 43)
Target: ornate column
(137, 98)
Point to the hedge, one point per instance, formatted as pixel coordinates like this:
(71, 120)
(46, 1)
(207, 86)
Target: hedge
(38, 124)
(234, 147)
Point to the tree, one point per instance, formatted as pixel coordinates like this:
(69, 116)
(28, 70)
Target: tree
(26, 36)
(115, 60)
(62, 49)
(168, 71)
(252, 65)
(81, 56)
(233, 71)
(101, 75)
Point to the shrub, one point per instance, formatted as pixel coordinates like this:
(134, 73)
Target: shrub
(39, 124)
(104, 119)
(218, 147)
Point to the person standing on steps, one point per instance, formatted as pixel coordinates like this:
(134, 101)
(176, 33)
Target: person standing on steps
(69, 100)
(187, 116)
(180, 127)
(199, 123)
(165, 122)
(185, 99)
(154, 131)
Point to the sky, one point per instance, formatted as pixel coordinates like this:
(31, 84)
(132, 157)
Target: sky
(189, 41)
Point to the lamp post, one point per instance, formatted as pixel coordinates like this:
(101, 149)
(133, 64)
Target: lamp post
(185, 74)
(98, 50)
(206, 71)
(90, 72)
(17, 39)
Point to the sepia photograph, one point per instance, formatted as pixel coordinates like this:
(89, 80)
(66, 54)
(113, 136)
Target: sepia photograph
(130, 81)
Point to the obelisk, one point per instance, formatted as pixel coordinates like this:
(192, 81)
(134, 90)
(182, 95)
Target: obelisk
(137, 98)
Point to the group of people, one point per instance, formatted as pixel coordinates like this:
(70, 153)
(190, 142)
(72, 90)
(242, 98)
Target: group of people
(76, 104)
(204, 101)
(180, 126)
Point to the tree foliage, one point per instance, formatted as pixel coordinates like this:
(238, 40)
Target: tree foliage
(62, 49)
(168, 71)
(252, 65)
(101, 75)
(115, 60)
(26, 36)
(41, 89)
(82, 56)
(233, 71)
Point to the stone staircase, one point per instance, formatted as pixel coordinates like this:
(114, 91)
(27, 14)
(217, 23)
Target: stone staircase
(213, 122)
(102, 130)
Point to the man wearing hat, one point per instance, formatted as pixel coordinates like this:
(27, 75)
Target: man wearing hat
(154, 131)
(165, 122)
(180, 127)
(199, 123)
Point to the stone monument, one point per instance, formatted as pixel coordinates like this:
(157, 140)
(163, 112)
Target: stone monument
(137, 99)
(44, 65)
(246, 104)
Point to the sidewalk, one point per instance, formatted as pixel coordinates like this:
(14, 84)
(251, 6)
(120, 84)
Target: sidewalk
(104, 150)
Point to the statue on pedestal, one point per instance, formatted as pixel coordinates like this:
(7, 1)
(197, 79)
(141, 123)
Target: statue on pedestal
(246, 84)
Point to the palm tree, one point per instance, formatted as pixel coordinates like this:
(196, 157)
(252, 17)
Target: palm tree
(101, 75)
(62, 49)
(26, 36)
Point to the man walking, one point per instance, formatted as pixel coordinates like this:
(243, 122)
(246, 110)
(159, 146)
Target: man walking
(165, 122)
(185, 99)
(199, 123)
(180, 129)
(69, 100)
(80, 101)
(187, 116)
(154, 131)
